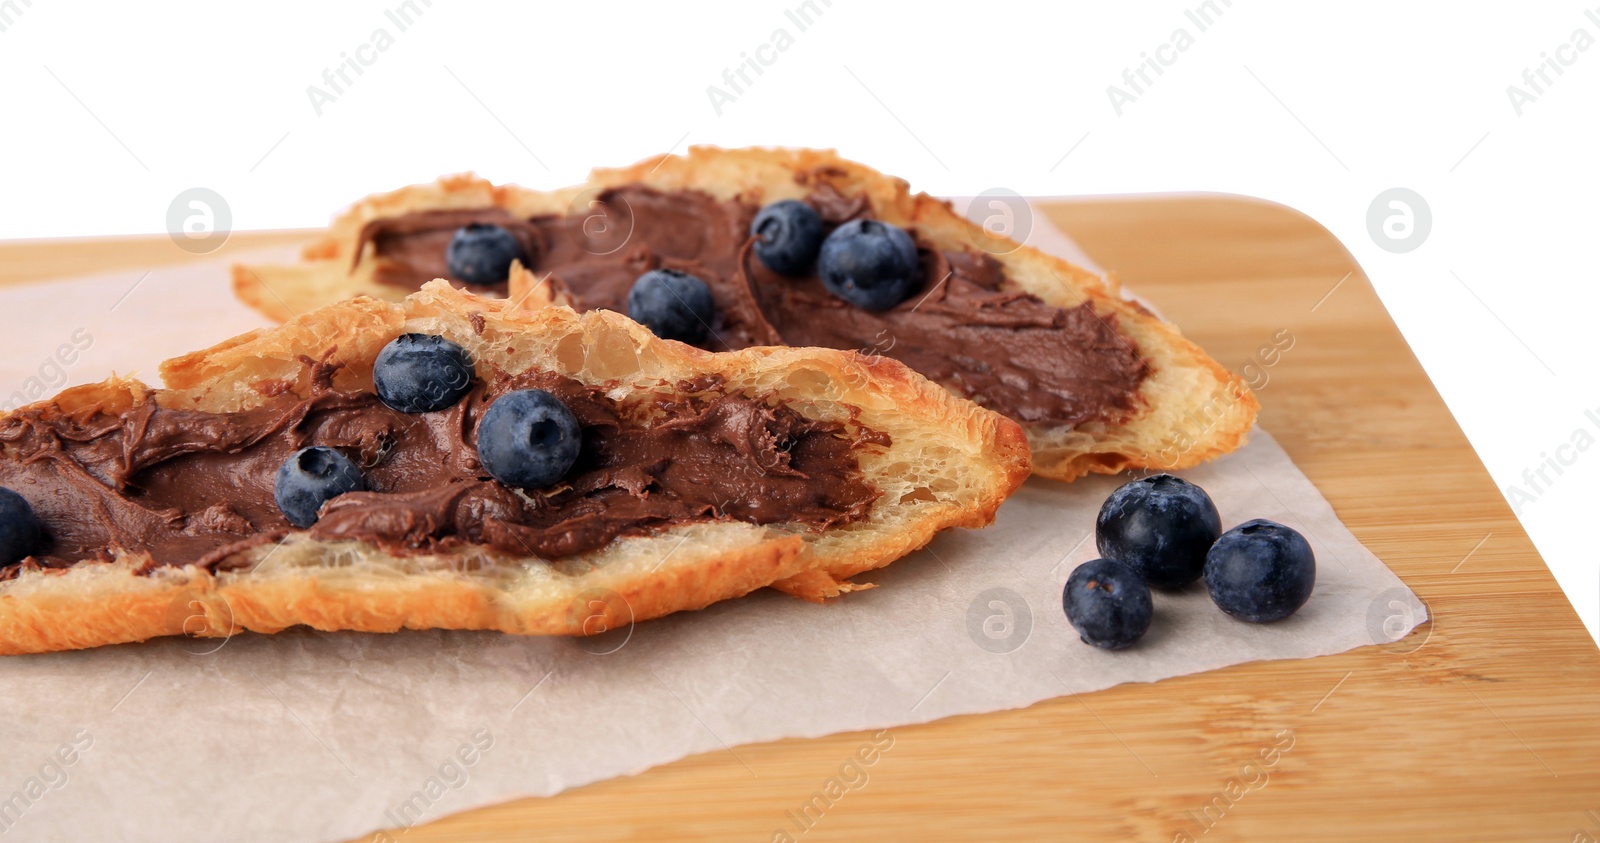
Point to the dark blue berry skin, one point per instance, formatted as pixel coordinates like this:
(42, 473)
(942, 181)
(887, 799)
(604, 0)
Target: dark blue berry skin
(1162, 526)
(422, 373)
(20, 534)
(1260, 571)
(309, 478)
(870, 264)
(481, 253)
(673, 305)
(788, 234)
(1108, 604)
(528, 438)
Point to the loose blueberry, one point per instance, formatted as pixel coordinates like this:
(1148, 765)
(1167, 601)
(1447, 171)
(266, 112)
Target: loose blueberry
(788, 234)
(481, 253)
(309, 478)
(673, 305)
(870, 264)
(20, 534)
(528, 438)
(422, 373)
(1260, 571)
(1160, 525)
(1108, 604)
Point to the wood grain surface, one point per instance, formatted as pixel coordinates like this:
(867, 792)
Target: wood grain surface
(1482, 725)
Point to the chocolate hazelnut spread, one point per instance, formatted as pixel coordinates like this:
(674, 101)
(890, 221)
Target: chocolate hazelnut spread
(195, 487)
(422, 239)
(965, 327)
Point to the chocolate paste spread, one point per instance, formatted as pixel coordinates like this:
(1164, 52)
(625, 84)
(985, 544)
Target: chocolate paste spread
(965, 327)
(421, 239)
(193, 487)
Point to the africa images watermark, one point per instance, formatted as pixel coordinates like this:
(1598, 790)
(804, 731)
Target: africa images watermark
(453, 774)
(402, 17)
(1536, 80)
(52, 373)
(1537, 479)
(1582, 835)
(736, 79)
(10, 11)
(999, 620)
(51, 775)
(1253, 776)
(1138, 80)
(852, 775)
(1201, 419)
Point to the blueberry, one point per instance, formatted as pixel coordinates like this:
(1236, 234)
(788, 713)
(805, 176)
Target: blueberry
(528, 438)
(421, 373)
(1160, 525)
(1108, 603)
(20, 534)
(788, 234)
(673, 305)
(481, 253)
(870, 264)
(1260, 571)
(309, 478)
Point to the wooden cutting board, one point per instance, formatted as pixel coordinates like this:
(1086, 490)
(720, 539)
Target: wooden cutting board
(1482, 725)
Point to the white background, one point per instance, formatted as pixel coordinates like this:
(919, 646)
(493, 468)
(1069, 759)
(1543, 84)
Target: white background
(110, 110)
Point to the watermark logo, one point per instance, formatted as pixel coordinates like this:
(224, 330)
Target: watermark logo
(452, 774)
(1267, 355)
(852, 775)
(1201, 419)
(604, 222)
(1537, 479)
(1391, 617)
(197, 617)
(1399, 220)
(737, 79)
(199, 220)
(1003, 218)
(1536, 80)
(868, 358)
(10, 10)
(1138, 79)
(337, 80)
(51, 775)
(1253, 775)
(52, 373)
(999, 620)
(603, 619)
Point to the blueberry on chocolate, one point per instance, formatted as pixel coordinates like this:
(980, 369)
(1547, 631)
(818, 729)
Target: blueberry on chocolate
(787, 235)
(870, 264)
(528, 439)
(309, 478)
(673, 305)
(1108, 604)
(481, 254)
(1160, 525)
(1260, 571)
(421, 373)
(19, 528)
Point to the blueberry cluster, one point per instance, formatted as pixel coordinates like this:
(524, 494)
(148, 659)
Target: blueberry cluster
(527, 438)
(870, 264)
(1165, 532)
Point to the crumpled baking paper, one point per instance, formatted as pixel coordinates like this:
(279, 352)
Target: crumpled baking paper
(327, 736)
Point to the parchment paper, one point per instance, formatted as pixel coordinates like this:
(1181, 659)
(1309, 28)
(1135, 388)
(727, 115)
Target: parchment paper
(326, 736)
